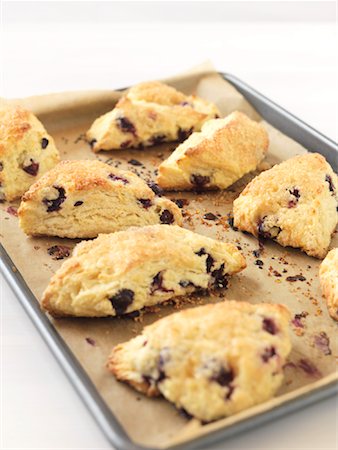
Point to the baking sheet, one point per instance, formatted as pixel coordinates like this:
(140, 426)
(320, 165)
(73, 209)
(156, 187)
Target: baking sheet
(154, 422)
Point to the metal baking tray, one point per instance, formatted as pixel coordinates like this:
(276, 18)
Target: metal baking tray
(117, 436)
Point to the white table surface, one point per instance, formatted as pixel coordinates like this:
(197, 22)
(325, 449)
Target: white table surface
(293, 63)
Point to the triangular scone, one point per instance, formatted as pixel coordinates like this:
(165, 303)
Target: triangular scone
(27, 151)
(211, 361)
(150, 113)
(80, 199)
(294, 203)
(123, 272)
(220, 154)
(328, 276)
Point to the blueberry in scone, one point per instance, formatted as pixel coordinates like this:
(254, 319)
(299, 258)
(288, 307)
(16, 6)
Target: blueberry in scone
(123, 272)
(328, 276)
(80, 199)
(217, 156)
(27, 151)
(149, 114)
(211, 361)
(294, 203)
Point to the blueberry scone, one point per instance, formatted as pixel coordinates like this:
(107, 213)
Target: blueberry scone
(211, 361)
(328, 276)
(294, 203)
(217, 156)
(150, 113)
(80, 199)
(123, 272)
(27, 151)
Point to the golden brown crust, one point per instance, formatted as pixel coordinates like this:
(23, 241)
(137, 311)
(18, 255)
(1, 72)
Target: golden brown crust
(148, 114)
(217, 156)
(138, 267)
(27, 151)
(328, 276)
(295, 203)
(80, 199)
(213, 360)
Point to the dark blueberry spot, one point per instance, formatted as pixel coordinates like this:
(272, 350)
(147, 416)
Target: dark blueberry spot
(134, 162)
(155, 140)
(270, 233)
(296, 278)
(224, 377)
(180, 202)
(125, 144)
(32, 168)
(294, 192)
(78, 203)
(92, 142)
(167, 217)
(121, 300)
(58, 252)
(126, 125)
(231, 222)
(257, 253)
(183, 134)
(297, 320)
(322, 341)
(54, 205)
(210, 216)
(118, 178)
(185, 104)
(308, 367)
(269, 325)
(90, 341)
(259, 262)
(44, 142)
(199, 180)
(269, 353)
(145, 202)
(1, 166)
(155, 188)
(220, 279)
(328, 179)
(276, 273)
(157, 284)
(209, 261)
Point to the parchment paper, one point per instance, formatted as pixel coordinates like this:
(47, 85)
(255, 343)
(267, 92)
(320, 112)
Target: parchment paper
(154, 422)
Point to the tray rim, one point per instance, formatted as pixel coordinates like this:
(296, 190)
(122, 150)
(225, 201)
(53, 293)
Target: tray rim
(104, 417)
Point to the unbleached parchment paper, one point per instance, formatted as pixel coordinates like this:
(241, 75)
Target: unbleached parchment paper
(155, 422)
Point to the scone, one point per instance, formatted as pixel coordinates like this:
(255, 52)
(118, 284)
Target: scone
(217, 156)
(81, 199)
(211, 361)
(328, 276)
(123, 272)
(294, 203)
(150, 113)
(27, 151)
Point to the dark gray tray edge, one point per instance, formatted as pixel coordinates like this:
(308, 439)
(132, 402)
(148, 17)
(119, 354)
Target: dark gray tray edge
(291, 126)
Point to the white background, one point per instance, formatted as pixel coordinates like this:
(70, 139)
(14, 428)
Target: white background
(286, 50)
